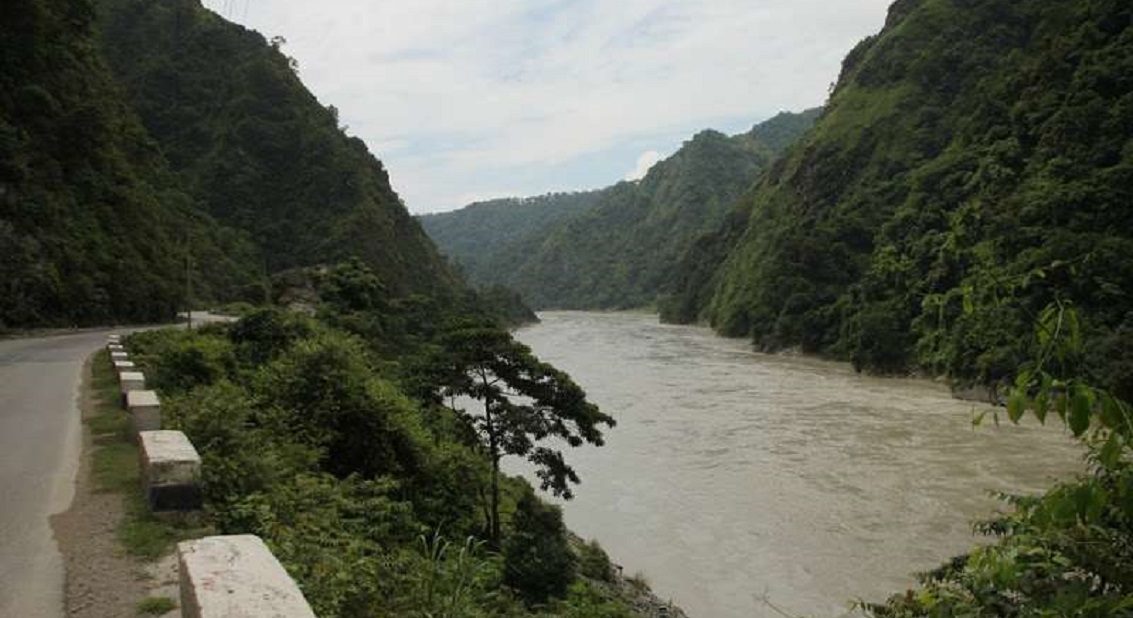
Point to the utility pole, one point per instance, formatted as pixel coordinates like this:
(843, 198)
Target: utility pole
(189, 281)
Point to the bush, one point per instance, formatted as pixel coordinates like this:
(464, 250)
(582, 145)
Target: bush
(538, 562)
(179, 360)
(593, 562)
(262, 335)
(323, 395)
(588, 601)
(236, 459)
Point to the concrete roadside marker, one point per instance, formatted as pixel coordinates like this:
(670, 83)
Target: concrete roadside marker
(236, 576)
(130, 381)
(145, 410)
(120, 366)
(171, 471)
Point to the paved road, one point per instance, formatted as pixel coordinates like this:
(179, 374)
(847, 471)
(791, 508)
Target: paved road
(39, 454)
(40, 443)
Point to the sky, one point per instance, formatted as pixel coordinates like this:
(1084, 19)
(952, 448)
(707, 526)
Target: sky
(465, 100)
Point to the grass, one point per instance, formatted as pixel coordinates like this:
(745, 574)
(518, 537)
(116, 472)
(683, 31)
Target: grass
(116, 469)
(156, 606)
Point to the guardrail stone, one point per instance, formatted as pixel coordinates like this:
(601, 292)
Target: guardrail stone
(171, 471)
(120, 366)
(145, 410)
(236, 577)
(130, 381)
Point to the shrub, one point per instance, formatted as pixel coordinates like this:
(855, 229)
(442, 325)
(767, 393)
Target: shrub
(264, 334)
(538, 562)
(323, 394)
(593, 562)
(178, 360)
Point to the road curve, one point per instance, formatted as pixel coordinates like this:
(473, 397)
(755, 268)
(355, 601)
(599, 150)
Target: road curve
(40, 444)
(40, 440)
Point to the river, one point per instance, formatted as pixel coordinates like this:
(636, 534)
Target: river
(734, 479)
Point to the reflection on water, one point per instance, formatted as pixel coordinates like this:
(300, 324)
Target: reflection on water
(733, 475)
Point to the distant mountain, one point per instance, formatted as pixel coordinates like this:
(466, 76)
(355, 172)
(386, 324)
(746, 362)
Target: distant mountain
(612, 248)
(256, 150)
(974, 164)
(94, 228)
(480, 237)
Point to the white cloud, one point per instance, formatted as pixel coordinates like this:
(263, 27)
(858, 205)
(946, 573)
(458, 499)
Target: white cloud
(478, 95)
(645, 161)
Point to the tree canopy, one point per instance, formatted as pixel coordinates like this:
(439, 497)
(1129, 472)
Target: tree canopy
(94, 228)
(520, 403)
(256, 150)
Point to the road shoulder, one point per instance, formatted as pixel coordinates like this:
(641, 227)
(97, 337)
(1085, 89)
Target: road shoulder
(102, 578)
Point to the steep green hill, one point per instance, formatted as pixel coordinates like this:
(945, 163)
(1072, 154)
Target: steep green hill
(93, 228)
(974, 164)
(482, 236)
(616, 247)
(256, 149)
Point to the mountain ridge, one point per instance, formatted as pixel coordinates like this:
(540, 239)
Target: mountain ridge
(969, 170)
(257, 150)
(616, 250)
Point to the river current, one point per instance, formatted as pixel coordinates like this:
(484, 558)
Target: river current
(736, 480)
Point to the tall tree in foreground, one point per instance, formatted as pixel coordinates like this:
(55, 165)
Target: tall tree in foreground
(522, 402)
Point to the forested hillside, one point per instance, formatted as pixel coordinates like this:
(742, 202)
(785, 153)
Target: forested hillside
(618, 249)
(256, 149)
(974, 164)
(93, 227)
(485, 236)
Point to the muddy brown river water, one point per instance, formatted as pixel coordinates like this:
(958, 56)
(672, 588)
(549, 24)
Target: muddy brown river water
(735, 478)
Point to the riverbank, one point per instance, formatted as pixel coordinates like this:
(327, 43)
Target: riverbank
(118, 556)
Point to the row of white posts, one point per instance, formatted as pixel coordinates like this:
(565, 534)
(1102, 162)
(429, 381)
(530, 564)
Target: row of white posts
(232, 576)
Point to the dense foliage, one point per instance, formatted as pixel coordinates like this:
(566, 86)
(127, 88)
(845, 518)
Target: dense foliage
(485, 238)
(974, 154)
(521, 403)
(612, 248)
(256, 150)
(331, 439)
(93, 227)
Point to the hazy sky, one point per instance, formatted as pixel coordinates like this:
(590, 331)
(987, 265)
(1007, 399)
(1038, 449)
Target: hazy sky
(473, 99)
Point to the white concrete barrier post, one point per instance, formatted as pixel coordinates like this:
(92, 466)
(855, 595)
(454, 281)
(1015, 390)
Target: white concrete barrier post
(119, 355)
(236, 577)
(171, 471)
(131, 381)
(120, 366)
(145, 410)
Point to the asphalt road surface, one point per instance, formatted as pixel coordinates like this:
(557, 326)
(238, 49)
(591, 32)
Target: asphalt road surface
(40, 443)
(39, 455)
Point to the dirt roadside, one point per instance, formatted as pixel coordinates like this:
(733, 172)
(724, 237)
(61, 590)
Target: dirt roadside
(102, 580)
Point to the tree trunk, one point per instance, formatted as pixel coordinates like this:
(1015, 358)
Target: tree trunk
(494, 452)
(495, 503)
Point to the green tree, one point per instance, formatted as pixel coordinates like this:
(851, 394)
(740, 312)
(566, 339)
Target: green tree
(523, 402)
